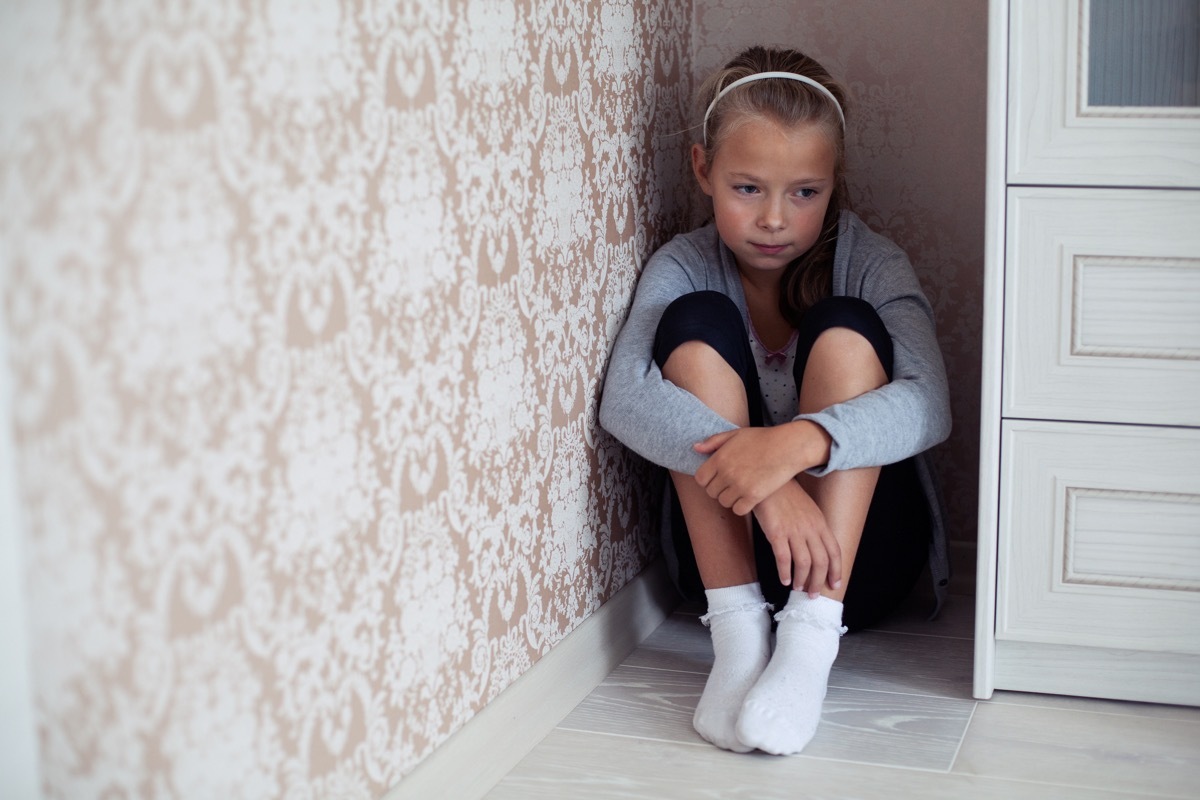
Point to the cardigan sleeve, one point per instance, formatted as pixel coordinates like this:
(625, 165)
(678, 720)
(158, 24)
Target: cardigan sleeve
(912, 412)
(647, 413)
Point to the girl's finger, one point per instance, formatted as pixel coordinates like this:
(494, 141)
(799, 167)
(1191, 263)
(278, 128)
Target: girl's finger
(819, 574)
(783, 561)
(801, 563)
(835, 563)
(716, 488)
(728, 498)
(711, 444)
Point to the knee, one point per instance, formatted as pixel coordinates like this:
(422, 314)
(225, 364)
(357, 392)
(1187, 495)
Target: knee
(709, 319)
(845, 344)
(848, 330)
(688, 359)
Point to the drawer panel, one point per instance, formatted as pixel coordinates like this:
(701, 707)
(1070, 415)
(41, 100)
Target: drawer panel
(1102, 310)
(1100, 536)
(1136, 307)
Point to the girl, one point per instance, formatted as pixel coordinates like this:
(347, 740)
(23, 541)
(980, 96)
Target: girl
(782, 364)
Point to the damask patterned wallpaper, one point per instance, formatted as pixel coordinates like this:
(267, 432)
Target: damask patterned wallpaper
(308, 306)
(917, 75)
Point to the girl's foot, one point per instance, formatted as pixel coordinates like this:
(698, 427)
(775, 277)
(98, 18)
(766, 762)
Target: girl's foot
(740, 622)
(782, 711)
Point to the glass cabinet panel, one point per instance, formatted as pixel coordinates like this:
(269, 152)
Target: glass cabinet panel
(1144, 53)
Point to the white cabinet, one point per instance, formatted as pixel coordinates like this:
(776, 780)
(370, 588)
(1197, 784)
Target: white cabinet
(1089, 537)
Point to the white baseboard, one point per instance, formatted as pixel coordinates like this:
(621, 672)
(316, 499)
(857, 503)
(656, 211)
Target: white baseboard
(474, 759)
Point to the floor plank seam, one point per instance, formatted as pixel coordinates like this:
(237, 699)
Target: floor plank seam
(963, 736)
(612, 735)
(878, 764)
(658, 669)
(923, 695)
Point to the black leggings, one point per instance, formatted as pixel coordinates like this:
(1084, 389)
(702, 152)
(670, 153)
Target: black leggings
(895, 541)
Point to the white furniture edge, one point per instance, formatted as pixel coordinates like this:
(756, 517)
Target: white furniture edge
(19, 776)
(482, 752)
(993, 318)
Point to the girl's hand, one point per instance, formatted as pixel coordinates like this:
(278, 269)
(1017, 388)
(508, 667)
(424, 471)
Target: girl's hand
(806, 552)
(747, 465)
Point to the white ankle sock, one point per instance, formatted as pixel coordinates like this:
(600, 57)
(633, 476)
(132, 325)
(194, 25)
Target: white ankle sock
(740, 624)
(782, 711)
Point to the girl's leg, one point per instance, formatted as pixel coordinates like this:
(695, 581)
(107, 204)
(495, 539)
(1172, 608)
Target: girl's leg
(839, 358)
(894, 547)
(841, 366)
(891, 530)
(720, 539)
(702, 347)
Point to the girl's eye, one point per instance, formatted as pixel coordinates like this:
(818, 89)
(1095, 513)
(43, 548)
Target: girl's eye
(807, 194)
(746, 189)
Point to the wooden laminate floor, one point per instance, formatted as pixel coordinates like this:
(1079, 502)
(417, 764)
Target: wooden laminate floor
(899, 721)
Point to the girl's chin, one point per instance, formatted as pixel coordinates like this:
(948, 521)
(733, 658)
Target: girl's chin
(761, 265)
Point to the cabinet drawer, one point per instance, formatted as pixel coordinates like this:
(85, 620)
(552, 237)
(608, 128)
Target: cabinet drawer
(1100, 536)
(1102, 305)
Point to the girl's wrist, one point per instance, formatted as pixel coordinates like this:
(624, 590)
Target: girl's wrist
(810, 442)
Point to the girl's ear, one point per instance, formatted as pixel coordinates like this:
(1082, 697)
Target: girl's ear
(700, 168)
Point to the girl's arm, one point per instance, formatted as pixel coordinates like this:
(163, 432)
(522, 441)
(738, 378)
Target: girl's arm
(911, 413)
(648, 414)
(748, 465)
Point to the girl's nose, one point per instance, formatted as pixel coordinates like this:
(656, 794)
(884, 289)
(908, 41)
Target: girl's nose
(772, 218)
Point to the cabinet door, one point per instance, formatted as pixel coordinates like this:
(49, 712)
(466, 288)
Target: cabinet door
(1104, 93)
(1099, 568)
(1102, 306)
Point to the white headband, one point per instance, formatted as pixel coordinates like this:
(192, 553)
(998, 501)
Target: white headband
(791, 76)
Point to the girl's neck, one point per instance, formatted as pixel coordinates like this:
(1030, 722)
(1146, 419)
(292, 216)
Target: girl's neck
(762, 301)
(761, 282)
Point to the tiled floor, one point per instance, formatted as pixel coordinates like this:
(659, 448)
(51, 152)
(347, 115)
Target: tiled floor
(899, 721)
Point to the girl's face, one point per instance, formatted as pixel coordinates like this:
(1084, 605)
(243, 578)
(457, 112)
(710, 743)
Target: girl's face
(770, 187)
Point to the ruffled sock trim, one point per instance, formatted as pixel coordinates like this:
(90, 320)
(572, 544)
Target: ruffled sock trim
(706, 620)
(813, 617)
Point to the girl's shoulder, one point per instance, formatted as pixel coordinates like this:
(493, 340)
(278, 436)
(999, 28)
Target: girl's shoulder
(700, 248)
(857, 241)
(868, 263)
(695, 254)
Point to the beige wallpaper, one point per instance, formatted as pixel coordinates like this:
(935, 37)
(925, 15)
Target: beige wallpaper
(308, 305)
(917, 74)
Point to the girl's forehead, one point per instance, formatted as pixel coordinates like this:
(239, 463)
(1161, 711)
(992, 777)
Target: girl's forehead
(764, 125)
(764, 143)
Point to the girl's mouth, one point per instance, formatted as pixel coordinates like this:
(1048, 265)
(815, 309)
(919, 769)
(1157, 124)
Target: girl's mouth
(769, 249)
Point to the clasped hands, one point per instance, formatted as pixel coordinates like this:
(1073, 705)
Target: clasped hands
(753, 470)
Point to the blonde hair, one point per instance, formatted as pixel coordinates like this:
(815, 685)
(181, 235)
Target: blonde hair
(788, 103)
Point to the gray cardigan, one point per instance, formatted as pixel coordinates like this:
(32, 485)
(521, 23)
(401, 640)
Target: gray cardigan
(909, 415)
